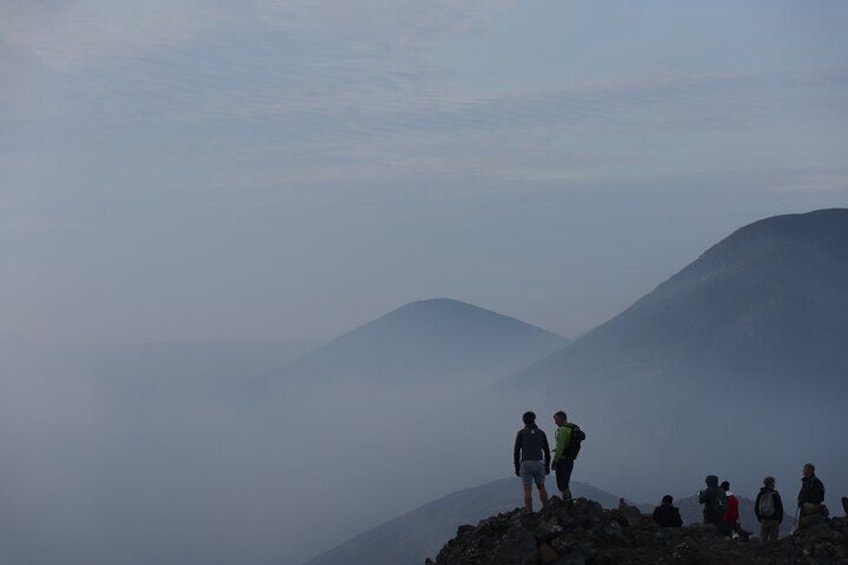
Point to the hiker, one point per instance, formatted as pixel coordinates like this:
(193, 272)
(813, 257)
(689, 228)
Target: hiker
(666, 514)
(769, 510)
(532, 458)
(731, 517)
(568, 437)
(715, 503)
(812, 490)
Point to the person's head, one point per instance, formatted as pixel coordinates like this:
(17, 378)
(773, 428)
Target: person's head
(809, 470)
(529, 418)
(725, 485)
(712, 481)
(769, 482)
(667, 499)
(560, 418)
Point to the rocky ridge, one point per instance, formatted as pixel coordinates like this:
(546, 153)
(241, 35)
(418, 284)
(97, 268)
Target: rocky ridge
(583, 533)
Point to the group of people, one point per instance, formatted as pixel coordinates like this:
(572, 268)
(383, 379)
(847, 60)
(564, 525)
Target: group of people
(533, 461)
(721, 507)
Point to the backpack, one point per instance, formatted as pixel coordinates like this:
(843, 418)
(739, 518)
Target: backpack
(765, 507)
(574, 442)
(720, 503)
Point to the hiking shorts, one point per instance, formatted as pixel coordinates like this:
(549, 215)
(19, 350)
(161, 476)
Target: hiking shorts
(532, 471)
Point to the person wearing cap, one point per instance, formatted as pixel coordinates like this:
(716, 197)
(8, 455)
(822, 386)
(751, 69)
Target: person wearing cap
(532, 459)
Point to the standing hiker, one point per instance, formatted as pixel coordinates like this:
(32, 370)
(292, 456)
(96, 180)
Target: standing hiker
(812, 490)
(731, 517)
(568, 438)
(532, 459)
(769, 510)
(715, 503)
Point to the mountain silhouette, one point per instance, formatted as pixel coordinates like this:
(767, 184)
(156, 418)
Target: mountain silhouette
(436, 340)
(767, 303)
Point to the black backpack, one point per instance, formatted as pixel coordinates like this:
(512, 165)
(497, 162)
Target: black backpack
(574, 442)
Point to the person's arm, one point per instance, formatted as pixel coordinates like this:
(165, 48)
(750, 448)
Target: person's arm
(778, 508)
(547, 451)
(678, 521)
(757, 506)
(516, 452)
(657, 515)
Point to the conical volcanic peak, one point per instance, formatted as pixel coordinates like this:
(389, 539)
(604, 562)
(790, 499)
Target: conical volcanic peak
(430, 339)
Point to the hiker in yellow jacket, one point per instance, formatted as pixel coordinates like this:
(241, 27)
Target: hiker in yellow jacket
(563, 464)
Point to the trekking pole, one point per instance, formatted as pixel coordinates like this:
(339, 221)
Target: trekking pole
(795, 523)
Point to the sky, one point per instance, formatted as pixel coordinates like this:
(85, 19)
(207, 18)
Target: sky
(191, 171)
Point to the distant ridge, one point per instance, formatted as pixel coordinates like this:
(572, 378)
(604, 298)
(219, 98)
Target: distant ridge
(767, 302)
(431, 339)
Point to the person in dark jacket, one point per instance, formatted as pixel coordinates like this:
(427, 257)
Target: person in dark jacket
(812, 489)
(769, 510)
(532, 459)
(708, 498)
(666, 514)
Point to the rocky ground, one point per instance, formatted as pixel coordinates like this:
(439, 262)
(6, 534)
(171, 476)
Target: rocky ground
(583, 533)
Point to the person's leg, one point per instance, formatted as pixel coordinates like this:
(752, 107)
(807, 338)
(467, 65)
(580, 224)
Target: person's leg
(774, 530)
(564, 469)
(538, 473)
(765, 532)
(526, 473)
(528, 497)
(543, 493)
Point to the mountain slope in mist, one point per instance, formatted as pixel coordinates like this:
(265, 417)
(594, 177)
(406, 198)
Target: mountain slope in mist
(768, 303)
(736, 365)
(435, 340)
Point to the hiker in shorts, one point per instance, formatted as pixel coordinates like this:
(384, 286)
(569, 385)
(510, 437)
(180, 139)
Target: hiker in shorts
(812, 490)
(769, 510)
(532, 459)
(666, 514)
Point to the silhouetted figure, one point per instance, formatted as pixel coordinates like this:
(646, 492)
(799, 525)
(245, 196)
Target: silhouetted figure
(769, 510)
(532, 458)
(630, 513)
(568, 437)
(666, 514)
(845, 504)
(731, 517)
(812, 489)
(715, 503)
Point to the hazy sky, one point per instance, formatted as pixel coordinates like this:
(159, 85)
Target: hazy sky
(195, 170)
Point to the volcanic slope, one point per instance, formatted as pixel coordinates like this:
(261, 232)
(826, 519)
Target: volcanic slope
(737, 364)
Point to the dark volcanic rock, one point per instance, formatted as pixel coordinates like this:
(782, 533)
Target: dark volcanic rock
(585, 533)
